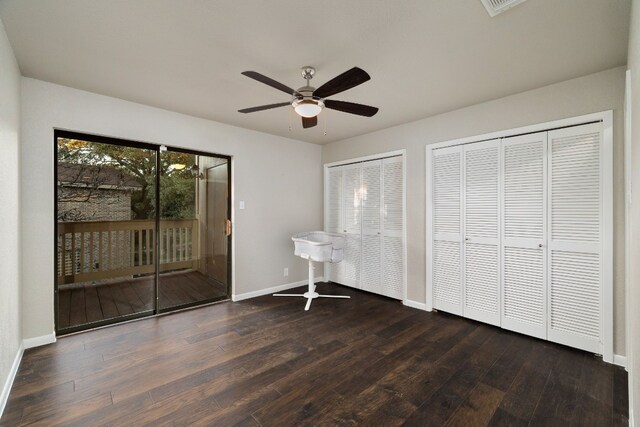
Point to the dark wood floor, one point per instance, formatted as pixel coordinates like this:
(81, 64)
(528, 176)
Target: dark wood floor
(265, 361)
(95, 303)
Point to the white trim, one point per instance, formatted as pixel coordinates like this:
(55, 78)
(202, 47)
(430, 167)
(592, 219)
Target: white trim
(607, 237)
(273, 289)
(628, 199)
(606, 117)
(378, 156)
(539, 127)
(404, 224)
(4, 397)
(620, 360)
(415, 304)
(428, 224)
(39, 341)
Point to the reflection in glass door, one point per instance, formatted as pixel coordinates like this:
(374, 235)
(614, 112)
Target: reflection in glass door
(194, 229)
(105, 232)
(140, 230)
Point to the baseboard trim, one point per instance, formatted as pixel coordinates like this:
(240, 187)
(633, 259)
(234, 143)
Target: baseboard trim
(415, 304)
(273, 289)
(4, 397)
(38, 341)
(620, 360)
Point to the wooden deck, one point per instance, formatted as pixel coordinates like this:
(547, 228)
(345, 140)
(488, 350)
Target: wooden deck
(95, 303)
(266, 362)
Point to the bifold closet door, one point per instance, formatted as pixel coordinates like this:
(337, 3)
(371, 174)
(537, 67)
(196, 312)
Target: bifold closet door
(352, 224)
(335, 217)
(392, 228)
(481, 207)
(446, 201)
(371, 275)
(524, 293)
(575, 272)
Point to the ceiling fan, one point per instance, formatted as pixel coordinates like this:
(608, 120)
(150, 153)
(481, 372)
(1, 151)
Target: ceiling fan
(308, 101)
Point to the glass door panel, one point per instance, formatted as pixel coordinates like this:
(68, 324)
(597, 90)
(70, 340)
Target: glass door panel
(105, 209)
(194, 233)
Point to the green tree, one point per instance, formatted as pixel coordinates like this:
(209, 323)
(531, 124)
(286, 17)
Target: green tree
(178, 175)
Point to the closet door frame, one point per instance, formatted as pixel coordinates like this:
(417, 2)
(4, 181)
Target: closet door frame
(606, 119)
(378, 156)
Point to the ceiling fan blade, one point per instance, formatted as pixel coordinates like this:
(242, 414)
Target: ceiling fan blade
(263, 107)
(269, 82)
(351, 107)
(309, 122)
(344, 81)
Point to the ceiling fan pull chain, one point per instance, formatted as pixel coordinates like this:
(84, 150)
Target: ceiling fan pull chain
(324, 123)
(289, 120)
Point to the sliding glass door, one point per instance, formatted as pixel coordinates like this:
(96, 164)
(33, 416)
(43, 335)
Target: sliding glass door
(194, 229)
(140, 230)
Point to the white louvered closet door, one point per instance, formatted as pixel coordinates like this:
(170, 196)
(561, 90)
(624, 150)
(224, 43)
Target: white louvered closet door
(575, 273)
(371, 276)
(481, 274)
(446, 202)
(334, 217)
(352, 224)
(524, 293)
(392, 228)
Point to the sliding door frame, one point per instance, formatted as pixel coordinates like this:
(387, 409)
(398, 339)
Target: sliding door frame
(158, 149)
(159, 310)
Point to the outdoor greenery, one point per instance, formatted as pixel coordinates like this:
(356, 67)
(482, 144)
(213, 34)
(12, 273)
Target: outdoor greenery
(178, 175)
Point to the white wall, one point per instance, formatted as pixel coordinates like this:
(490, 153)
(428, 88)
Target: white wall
(10, 304)
(634, 281)
(279, 179)
(593, 93)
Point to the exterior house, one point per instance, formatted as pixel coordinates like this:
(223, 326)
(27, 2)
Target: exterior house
(94, 193)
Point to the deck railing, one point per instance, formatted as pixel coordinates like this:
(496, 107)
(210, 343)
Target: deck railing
(101, 250)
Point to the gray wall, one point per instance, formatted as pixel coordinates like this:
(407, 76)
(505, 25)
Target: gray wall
(279, 179)
(10, 304)
(592, 93)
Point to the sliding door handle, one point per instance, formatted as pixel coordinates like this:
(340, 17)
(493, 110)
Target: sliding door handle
(228, 227)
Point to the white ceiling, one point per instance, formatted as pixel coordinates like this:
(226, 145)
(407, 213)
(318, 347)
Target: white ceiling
(424, 56)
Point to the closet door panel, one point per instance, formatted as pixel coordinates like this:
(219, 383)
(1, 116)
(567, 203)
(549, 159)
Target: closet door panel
(446, 202)
(334, 217)
(371, 279)
(352, 224)
(392, 228)
(482, 231)
(575, 220)
(524, 306)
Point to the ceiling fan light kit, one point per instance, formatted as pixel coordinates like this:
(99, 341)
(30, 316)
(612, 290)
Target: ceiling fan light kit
(308, 101)
(307, 107)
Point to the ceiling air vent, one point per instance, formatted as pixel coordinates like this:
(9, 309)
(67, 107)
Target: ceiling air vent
(495, 7)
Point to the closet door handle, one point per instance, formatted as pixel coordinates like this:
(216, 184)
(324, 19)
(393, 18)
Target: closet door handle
(540, 245)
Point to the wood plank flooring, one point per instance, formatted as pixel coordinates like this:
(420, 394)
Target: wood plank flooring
(96, 303)
(266, 362)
